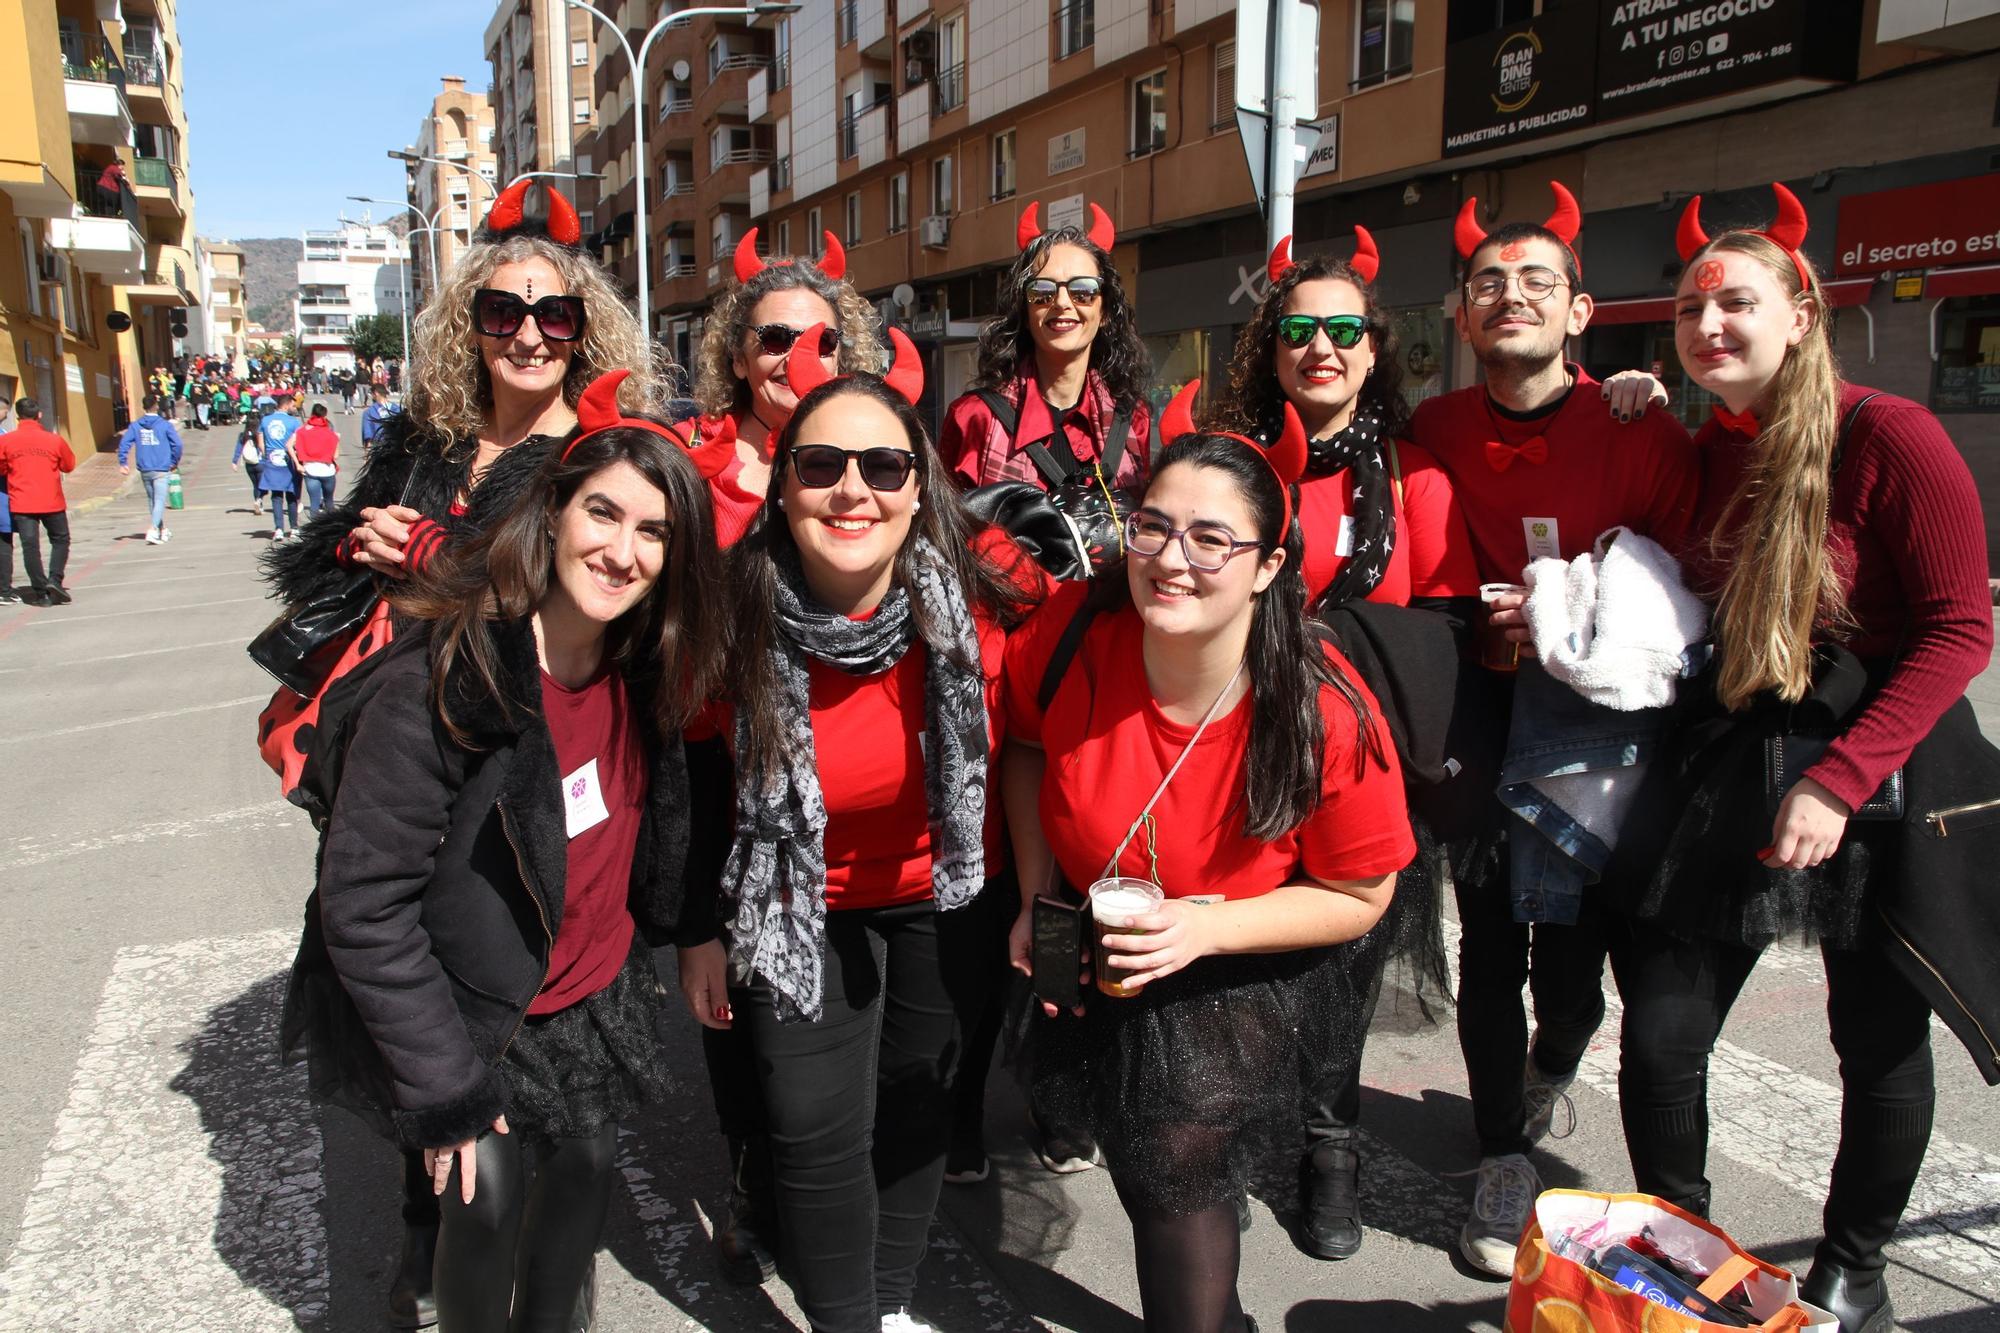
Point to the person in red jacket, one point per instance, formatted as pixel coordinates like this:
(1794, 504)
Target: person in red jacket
(32, 461)
(1839, 536)
(315, 448)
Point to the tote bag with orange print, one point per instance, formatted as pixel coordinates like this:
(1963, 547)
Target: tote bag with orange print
(1554, 1293)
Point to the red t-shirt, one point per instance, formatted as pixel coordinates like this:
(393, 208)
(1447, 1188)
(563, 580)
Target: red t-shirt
(1600, 473)
(1108, 746)
(1432, 555)
(603, 767)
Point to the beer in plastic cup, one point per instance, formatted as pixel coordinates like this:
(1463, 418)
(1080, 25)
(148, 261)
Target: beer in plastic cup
(1496, 651)
(1114, 904)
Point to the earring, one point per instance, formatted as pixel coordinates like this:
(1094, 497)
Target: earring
(916, 505)
(781, 502)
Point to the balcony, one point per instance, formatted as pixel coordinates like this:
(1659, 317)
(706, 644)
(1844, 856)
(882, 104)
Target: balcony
(757, 97)
(760, 193)
(165, 278)
(145, 69)
(157, 182)
(728, 90)
(109, 247)
(913, 118)
(871, 134)
(849, 139)
(93, 94)
(100, 202)
(733, 157)
(949, 90)
(872, 32)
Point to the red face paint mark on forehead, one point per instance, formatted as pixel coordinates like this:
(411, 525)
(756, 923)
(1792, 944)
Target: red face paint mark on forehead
(1708, 275)
(1513, 250)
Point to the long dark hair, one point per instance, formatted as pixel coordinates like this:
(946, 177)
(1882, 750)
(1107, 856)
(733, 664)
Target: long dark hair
(1284, 766)
(943, 519)
(1256, 402)
(1007, 343)
(667, 644)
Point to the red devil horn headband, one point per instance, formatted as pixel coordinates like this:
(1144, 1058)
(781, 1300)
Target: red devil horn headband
(1563, 224)
(597, 411)
(1029, 229)
(1787, 231)
(1366, 263)
(804, 373)
(749, 263)
(509, 214)
(1286, 458)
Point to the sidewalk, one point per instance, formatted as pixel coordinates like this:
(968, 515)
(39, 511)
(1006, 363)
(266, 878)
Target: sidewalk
(96, 482)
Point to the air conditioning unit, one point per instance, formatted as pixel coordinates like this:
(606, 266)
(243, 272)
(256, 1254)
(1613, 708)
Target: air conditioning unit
(921, 45)
(934, 233)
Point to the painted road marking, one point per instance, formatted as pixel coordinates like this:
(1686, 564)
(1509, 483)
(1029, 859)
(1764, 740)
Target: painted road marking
(58, 618)
(182, 1186)
(135, 721)
(123, 657)
(34, 851)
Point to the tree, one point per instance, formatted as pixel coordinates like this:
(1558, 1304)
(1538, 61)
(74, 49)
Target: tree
(376, 335)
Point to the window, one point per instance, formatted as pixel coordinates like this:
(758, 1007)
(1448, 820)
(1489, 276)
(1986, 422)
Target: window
(1384, 36)
(31, 264)
(580, 109)
(1968, 364)
(732, 143)
(899, 202)
(853, 236)
(583, 164)
(941, 187)
(1003, 164)
(815, 228)
(579, 53)
(1076, 26)
(784, 237)
(586, 220)
(1224, 113)
(1149, 113)
(950, 84)
(845, 21)
(781, 54)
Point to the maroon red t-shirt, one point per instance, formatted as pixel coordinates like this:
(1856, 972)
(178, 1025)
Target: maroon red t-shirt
(603, 765)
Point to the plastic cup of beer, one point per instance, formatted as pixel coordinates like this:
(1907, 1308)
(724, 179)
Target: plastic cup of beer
(1496, 651)
(1114, 904)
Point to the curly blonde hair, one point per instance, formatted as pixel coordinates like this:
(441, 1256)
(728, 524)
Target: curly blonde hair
(450, 388)
(717, 387)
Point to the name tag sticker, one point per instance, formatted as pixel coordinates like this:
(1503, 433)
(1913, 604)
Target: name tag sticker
(1344, 543)
(1544, 543)
(583, 800)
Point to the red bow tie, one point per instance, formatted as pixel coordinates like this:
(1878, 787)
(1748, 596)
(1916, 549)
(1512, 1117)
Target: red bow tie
(1500, 455)
(1737, 423)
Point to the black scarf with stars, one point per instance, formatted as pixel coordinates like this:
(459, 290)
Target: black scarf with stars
(1357, 451)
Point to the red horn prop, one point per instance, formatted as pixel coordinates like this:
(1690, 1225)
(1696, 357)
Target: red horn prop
(1466, 233)
(1287, 461)
(1029, 229)
(1280, 260)
(1178, 417)
(803, 372)
(834, 262)
(1567, 220)
(1102, 234)
(748, 262)
(716, 445)
(1689, 237)
(1367, 261)
(906, 372)
(597, 409)
(505, 215)
(1788, 229)
(565, 227)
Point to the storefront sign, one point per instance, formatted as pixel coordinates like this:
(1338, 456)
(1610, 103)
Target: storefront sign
(1661, 53)
(1066, 152)
(1924, 226)
(928, 323)
(1909, 287)
(1522, 82)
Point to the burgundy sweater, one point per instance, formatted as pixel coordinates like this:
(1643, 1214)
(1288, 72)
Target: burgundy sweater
(1908, 534)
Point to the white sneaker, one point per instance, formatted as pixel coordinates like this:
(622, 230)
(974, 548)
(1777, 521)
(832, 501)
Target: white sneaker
(899, 1321)
(1501, 1204)
(166, 535)
(1545, 1095)
(152, 536)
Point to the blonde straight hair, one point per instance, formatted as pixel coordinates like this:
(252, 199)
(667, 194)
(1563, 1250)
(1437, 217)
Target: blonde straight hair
(1772, 535)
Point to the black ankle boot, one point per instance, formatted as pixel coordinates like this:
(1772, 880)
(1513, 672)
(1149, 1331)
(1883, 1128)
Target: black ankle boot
(1333, 1202)
(744, 1239)
(1859, 1300)
(412, 1303)
(584, 1317)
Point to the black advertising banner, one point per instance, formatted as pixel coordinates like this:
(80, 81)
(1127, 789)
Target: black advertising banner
(1523, 81)
(1661, 53)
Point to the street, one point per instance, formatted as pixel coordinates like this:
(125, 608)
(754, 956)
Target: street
(162, 1171)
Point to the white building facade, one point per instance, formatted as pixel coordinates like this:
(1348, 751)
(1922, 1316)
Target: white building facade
(356, 269)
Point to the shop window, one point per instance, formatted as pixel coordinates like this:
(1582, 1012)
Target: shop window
(1967, 377)
(1384, 40)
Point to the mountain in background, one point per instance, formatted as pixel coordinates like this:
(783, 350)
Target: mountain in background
(271, 279)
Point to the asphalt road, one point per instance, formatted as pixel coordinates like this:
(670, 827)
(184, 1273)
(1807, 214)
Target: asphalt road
(161, 1171)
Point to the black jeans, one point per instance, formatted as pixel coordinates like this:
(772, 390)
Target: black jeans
(30, 527)
(1677, 995)
(859, 1104)
(6, 562)
(1562, 966)
(527, 1238)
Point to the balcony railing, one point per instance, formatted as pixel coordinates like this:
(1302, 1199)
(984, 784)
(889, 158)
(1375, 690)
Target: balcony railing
(90, 61)
(99, 202)
(144, 68)
(739, 60)
(677, 268)
(676, 106)
(1076, 26)
(674, 189)
(325, 301)
(849, 145)
(781, 173)
(737, 156)
(157, 173)
(950, 90)
(781, 71)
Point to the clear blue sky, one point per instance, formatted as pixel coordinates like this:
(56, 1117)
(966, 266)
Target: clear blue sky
(291, 106)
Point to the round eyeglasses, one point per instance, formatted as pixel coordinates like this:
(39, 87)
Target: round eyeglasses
(1207, 546)
(1536, 285)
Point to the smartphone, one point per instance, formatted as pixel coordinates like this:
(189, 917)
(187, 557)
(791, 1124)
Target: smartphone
(1058, 952)
(1661, 1285)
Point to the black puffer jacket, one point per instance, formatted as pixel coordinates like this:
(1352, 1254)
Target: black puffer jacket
(441, 891)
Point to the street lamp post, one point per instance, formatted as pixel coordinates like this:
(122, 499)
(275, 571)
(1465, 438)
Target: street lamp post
(405, 155)
(637, 64)
(430, 227)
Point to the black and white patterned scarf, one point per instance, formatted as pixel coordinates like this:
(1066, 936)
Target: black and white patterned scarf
(777, 863)
(1357, 450)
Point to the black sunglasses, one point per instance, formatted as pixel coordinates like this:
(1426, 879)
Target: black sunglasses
(499, 314)
(819, 466)
(1082, 291)
(777, 339)
(1342, 330)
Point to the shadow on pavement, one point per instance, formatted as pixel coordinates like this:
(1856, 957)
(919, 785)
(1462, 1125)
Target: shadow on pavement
(1395, 1316)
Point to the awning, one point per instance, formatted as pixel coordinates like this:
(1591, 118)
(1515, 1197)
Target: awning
(1981, 281)
(1660, 309)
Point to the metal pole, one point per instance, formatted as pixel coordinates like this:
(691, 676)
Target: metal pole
(1280, 148)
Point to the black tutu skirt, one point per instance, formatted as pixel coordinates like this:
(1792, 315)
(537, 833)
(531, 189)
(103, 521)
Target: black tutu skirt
(1193, 1087)
(571, 1072)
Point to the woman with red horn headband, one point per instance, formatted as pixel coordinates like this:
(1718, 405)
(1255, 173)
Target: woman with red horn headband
(1060, 362)
(1840, 538)
(521, 323)
(1181, 745)
(504, 848)
(1379, 524)
(864, 658)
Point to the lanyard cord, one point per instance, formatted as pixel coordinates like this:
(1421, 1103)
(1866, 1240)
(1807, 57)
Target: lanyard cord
(1146, 815)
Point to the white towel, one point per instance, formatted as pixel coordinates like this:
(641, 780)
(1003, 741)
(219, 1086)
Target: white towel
(1614, 624)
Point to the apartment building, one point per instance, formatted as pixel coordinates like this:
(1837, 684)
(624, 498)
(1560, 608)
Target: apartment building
(541, 52)
(103, 270)
(459, 129)
(227, 317)
(355, 269)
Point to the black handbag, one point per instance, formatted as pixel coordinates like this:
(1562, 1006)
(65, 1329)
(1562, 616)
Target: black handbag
(1072, 524)
(300, 647)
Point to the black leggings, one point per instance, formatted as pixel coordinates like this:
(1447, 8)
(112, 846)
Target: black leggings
(1677, 995)
(859, 1104)
(527, 1238)
(1187, 1265)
